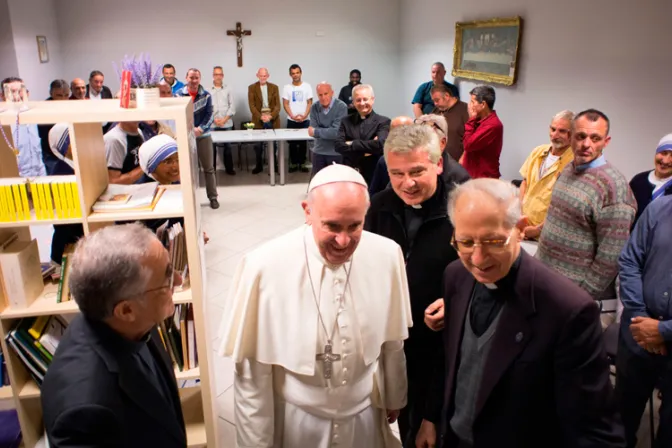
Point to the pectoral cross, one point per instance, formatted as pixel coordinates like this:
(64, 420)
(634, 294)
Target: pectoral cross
(239, 33)
(328, 359)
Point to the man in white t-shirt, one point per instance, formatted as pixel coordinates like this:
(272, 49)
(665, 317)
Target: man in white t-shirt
(297, 98)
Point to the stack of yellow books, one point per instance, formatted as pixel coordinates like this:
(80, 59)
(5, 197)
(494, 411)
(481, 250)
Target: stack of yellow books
(56, 197)
(14, 204)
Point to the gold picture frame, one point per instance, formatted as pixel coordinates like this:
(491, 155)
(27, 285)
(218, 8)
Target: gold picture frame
(487, 50)
(42, 50)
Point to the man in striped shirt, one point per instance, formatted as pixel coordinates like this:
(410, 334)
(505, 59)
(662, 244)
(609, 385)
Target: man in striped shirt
(590, 214)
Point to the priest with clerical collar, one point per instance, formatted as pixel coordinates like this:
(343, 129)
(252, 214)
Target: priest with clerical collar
(315, 323)
(525, 362)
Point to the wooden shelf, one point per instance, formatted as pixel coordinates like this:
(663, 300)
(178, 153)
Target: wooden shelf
(42, 306)
(44, 112)
(166, 207)
(39, 222)
(6, 393)
(180, 297)
(190, 374)
(196, 435)
(29, 390)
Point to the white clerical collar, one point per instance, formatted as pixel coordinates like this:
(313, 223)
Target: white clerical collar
(417, 206)
(490, 285)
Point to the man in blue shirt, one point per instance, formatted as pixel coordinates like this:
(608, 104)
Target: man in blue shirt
(645, 343)
(422, 101)
(26, 139)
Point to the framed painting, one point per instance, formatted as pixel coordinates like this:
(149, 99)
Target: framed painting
(487, 50)
(42, 49)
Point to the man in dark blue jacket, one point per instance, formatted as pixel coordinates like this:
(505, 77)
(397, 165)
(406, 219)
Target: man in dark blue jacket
(203, 118)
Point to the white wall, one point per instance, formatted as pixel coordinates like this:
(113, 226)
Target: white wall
(32, 18)
(612, 55)
(8, 65)
(357, 34)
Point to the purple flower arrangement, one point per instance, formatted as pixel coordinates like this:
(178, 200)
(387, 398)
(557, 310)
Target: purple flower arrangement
(142, 75)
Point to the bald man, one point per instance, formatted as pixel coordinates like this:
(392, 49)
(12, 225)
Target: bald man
(264, 100)
(381, 178)
(78, 88)
(325, 119)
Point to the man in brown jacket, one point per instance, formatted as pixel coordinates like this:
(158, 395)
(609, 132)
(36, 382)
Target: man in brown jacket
(456, 114)
(264, 100)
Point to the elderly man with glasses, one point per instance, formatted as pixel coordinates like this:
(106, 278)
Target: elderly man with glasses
(111, 382)
(525, 365)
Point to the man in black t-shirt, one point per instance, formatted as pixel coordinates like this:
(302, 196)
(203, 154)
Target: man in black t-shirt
(121, 150)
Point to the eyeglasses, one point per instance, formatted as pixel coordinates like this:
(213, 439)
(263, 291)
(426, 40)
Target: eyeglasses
(171, 161)
(467, 246)
(170, 285)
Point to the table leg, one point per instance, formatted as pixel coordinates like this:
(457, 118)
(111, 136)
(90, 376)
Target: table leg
(271, 161)
(281, 154)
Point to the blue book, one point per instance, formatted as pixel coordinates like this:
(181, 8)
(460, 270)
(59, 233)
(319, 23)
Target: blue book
(10, 431)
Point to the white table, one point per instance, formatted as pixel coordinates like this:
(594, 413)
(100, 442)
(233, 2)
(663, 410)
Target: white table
(267, 136)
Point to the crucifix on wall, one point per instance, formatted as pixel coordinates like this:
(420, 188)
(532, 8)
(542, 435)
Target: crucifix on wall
(239, 33)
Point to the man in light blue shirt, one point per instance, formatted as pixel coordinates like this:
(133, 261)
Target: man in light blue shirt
(644, 359)
(25, 136)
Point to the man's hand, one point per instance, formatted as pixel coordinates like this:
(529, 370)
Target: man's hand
(265, 118)
(348, 143)
(219, 122)
(532, 232)
(470, 110)
(198, 131)
(392, 416)
(434, 315)
(299, 118)
(645, 332)
(426, 437)
(311, 131)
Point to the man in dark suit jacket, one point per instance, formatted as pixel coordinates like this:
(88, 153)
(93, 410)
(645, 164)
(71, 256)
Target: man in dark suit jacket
(525, 361)
(362, 135)
(95, 87)
(263, 98)
(111, 382)
(413, 213)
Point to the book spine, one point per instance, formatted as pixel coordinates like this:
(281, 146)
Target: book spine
(4, 209)
(59, 294)
(57, 200)
(18, 204)
(24, 200)
(49, 211)
(71, 203)
(64, 200)
(10, 203)
(75, 197)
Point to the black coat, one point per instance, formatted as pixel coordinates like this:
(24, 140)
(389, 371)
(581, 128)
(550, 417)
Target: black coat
(105, 93)
(546, 377)
(642, 190)
(95, 396)
(361, 132)
(426, 260)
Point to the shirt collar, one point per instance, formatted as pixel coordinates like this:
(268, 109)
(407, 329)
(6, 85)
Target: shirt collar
(508, 281)
(593, 164)
(119, 343)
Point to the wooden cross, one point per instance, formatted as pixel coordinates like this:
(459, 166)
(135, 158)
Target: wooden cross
(239, 33)
(328, 359)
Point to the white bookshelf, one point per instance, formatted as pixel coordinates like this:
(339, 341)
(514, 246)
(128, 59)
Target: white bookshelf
(85, 118)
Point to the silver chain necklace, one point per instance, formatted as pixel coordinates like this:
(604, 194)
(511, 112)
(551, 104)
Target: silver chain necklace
(328, 357)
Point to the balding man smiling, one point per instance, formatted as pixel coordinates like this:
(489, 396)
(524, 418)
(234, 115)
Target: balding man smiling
(325, 119)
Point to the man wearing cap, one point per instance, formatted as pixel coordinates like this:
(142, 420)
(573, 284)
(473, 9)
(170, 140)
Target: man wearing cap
(652, 184)
(316, 364)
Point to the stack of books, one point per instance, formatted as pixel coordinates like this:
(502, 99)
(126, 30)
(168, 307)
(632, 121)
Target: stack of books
(63, 293)
(126, 198)
(14, 205)
(179, 337)
(171, 234)
(35, 341)
(56, 197)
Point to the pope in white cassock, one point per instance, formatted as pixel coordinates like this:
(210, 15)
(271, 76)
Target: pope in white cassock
(315, 323)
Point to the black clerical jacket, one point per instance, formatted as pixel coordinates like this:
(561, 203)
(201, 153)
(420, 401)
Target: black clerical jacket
(368, 137)
(94, 395)
(546, 376)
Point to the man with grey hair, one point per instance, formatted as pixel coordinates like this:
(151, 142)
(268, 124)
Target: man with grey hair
(325, 121)
(422, 101)
(483, 135)
(111, 381)
(525, 361)
(362, 135)
(541, 170)
(413, 214)
(344, 379)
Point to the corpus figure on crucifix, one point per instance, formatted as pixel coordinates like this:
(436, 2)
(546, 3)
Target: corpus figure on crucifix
(317, 320)
(239, 33)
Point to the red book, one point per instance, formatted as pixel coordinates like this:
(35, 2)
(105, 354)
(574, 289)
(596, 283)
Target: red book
(125, 95)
